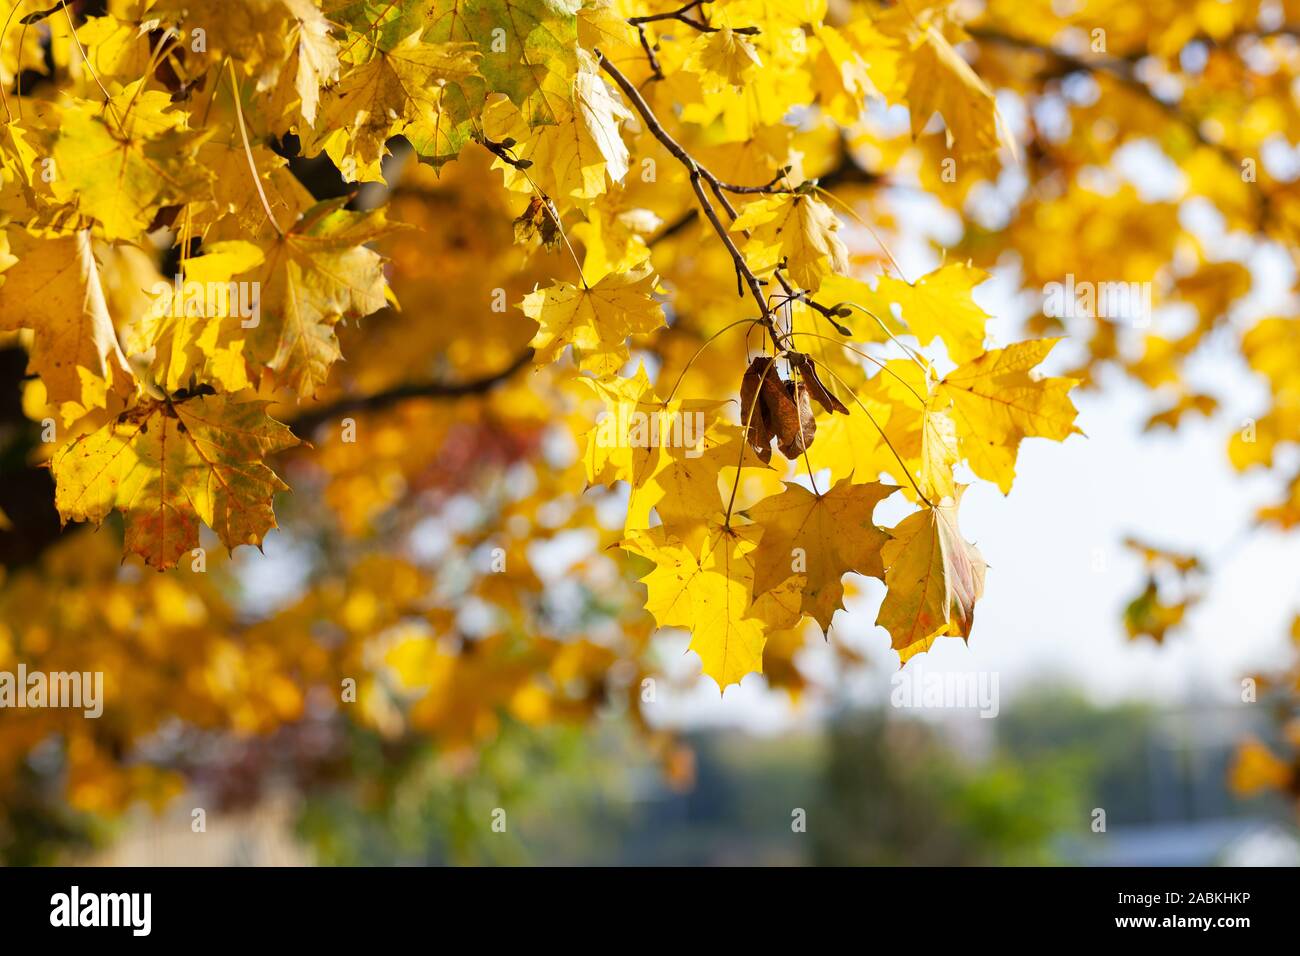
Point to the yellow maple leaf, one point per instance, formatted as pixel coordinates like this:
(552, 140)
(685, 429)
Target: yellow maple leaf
(940, 305)
(810, 541)
(940, 81)
(317, 53)
(852, 66)
(596, 320)
(120, 178)
(796, 232)
(193, 330)
(671, 454)
(55, 290)
(575, 157)
(939, 454)
(315, 274)
(708, 593)
(851, 445)
(996, 402)
(1255, 768)
(168, 465)
(724, 54)
(429, 90)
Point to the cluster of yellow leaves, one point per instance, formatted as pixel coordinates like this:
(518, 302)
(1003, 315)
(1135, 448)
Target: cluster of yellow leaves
(163, 144)
(154, 143)
(729, 572)
(182, 653)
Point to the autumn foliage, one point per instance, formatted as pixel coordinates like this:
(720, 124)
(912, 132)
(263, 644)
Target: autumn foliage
(474, 278)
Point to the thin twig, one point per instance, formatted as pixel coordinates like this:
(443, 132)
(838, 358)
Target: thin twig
(656, 71)
(680, 16)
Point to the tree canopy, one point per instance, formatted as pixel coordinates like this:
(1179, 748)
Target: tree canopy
(539, 325)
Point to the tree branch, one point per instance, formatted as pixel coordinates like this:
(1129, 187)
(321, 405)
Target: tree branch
(698, 174)
(308, 422)
(846, 172)
(680, 16)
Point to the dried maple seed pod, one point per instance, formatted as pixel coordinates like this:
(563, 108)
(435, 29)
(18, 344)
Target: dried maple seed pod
(807, 371)
(799, 425)
(753, 412)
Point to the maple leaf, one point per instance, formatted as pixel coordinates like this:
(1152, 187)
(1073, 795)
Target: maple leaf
(996, 402)
(852, 66)
(595, 320)
(939, 80)
(602, 27)
(317, 53)
(939, 453)
(796, 231)
(671, 454)
(194, 331)
(940, 305)
(577, 156)
(725, 54)
(933, 578)
(1147, 615)
(900, 429)
(529, 49)
(120, 178)
(1256, 768)
(234, 211)
(810, 541)
(315, 274)
(706, 592)
(851, 445)
(428, 91)
(55, 290)
(169, 465)
(687, 488)
(636, 425)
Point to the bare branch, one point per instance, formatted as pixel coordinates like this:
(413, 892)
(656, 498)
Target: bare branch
(680, 16)
(305, 424)
(698, 175)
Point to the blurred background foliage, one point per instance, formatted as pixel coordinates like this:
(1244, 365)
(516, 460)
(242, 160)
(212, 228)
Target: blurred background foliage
(875, 787)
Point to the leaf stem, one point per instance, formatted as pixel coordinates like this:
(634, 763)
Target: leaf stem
(906, 471)
(812, 479)
(884, 366)
(744, 439)
(893, 338)
(248, 150)
(700, 351)
(108, 100)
